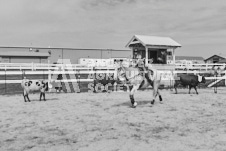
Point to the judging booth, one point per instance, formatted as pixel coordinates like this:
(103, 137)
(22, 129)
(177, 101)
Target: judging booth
(158, 51)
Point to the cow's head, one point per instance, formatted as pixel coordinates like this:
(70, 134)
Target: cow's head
(201, 79)
(51, 83)
(48, 84)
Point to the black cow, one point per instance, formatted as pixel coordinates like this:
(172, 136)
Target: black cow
(189, 80)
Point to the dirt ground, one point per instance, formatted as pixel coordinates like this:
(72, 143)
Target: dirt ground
(106, 122)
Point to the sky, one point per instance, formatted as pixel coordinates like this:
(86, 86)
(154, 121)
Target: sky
(198, 25)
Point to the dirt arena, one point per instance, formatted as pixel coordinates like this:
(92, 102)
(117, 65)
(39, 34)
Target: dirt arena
(106, 122)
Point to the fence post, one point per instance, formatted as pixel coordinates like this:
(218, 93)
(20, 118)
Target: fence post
(78, 89)
(225, 77)
(43, 74)
(5, 81)
(32, 66)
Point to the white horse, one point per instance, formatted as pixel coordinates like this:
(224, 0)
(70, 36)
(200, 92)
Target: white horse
(136, 79)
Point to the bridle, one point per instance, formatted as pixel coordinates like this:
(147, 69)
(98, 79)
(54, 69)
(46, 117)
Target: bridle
(123, 74)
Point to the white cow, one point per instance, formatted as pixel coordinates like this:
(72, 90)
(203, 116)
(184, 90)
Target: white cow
(35, 85)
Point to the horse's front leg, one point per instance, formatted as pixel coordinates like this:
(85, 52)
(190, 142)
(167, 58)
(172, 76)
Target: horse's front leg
(155, 93)
(160, 96)
(154, 96)
(133, 89)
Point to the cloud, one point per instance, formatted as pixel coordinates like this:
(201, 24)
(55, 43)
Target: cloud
(111, 23)
(103, 3)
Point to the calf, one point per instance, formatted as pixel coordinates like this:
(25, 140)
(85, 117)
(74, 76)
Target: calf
(35, 85)
(190, 80)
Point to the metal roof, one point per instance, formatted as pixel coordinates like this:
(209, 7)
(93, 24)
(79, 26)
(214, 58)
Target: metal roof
(153, 41)
(63, 48)
(189, 58)
(24, 54)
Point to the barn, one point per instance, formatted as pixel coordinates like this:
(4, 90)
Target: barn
(222, 61)
(23, 57)
(191, 59)
(215, 59)
(34, 54)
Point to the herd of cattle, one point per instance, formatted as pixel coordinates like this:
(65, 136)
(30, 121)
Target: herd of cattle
(189, 80)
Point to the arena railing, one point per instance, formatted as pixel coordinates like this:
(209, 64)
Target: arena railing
(41, 66)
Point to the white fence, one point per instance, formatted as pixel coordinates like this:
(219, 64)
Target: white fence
(104, 64)
(16, 72)
(48, 69)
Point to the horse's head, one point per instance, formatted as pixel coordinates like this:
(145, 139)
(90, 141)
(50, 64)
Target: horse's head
(48, 84)
(120, 74)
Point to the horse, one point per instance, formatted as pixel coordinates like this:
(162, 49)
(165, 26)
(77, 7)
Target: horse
(136, 79)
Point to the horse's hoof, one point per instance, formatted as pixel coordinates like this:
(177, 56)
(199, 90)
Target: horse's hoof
(152, 102)
(134, 105)
(160, 98)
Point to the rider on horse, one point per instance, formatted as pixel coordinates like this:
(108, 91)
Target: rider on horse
(140, 65)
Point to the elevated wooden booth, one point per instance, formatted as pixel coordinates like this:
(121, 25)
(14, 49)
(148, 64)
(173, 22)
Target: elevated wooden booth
(158, 51)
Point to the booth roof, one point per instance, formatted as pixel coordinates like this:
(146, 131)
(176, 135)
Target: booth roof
(153, 41)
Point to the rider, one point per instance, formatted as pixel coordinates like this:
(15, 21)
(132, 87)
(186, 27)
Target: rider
(140, 64)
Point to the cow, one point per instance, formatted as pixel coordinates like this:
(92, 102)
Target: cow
(35, 85)
(189, 80)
